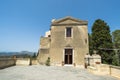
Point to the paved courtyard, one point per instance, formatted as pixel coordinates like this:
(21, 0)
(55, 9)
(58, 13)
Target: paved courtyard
(38, 72)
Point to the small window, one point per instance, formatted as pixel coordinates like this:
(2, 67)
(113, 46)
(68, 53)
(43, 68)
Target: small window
(68, 32)
(49, 35)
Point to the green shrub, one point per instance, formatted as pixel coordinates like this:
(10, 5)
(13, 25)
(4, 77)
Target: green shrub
(48, 62)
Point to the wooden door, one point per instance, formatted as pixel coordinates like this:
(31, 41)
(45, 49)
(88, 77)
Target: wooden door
(68, 56)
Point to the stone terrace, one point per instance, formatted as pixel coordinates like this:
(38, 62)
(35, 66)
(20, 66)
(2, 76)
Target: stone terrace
(37, 72)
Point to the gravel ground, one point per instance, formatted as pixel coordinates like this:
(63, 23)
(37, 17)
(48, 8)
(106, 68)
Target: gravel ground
(38, 72)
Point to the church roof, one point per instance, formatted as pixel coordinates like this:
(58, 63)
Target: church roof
(69, 21)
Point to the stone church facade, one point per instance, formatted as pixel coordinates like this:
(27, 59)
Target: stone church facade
(66, 43)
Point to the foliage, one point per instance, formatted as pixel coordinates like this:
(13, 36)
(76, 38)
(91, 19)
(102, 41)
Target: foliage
(48, 62)
(116, 42)
(116, 38)
(101, 40)
(34, 56)
(90, 44)
(26, 56)
(116, 60)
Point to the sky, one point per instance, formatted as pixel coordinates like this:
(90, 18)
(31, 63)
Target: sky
(23, 22)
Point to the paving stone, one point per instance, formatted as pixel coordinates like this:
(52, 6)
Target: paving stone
(38, 72)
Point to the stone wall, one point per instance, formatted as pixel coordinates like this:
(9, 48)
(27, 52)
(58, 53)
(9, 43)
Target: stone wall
(104, 69)
(23, 61)
(55, 42)
(115, 71)
(77, 42)
(92, 60)
(34, 62)
(99, 69)
(6, 62)
(43, 56)
(45, 42)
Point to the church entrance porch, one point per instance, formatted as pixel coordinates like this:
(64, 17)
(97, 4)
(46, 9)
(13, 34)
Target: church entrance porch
(68, 56)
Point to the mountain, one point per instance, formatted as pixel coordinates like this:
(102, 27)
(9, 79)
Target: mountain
(16, 53)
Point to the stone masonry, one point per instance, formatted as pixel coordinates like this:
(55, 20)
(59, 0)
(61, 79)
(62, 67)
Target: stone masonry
(66, 43)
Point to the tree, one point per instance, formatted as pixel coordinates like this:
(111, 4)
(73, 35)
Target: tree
(116, 61)
(90, 44)
(34, 56)
(116, 42)
(116, 38)
(102, 40)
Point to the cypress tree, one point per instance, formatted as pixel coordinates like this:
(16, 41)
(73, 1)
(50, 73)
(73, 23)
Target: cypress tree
(102, 40)
(90, 44)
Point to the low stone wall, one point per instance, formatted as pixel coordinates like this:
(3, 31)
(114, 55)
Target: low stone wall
(34, 62)
(103, 69)
(115, 71)
(23, 61)
(5, 62)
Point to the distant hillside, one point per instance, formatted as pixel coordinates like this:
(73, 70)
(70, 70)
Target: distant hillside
(22, 53)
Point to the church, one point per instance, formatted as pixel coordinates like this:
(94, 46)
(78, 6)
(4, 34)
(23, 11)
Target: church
(66, 43)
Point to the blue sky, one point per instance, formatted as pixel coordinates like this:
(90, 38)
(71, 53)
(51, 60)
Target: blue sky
(22, 22)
